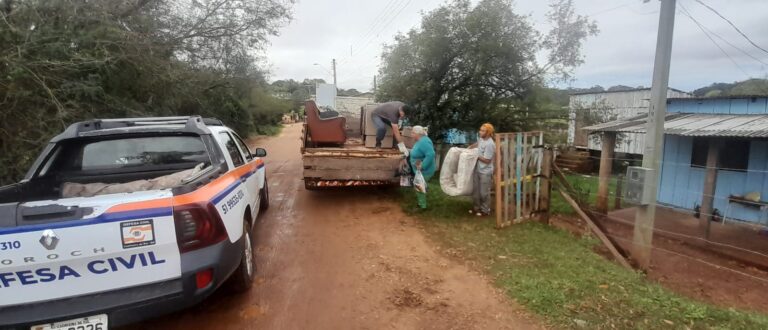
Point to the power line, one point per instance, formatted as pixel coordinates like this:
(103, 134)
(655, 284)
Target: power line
(733, 25)
(760, 279)
(701, 27)
(376, 21)
(736, 47)
(611, 9)
(379, 23)
(385, 25)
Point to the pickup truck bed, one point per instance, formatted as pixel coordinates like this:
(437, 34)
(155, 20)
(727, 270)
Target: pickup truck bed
(350, 165)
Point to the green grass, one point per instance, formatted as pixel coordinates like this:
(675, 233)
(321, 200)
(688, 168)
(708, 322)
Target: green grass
(587, 187)
(560, 278)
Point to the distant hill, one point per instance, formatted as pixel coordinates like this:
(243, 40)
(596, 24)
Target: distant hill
(747, 87)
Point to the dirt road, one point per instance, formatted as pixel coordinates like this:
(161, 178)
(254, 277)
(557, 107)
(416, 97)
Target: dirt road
(346, 260)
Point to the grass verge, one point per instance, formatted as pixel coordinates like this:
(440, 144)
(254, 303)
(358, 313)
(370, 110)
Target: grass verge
(269, 130)
(586, 186)
(559, 277)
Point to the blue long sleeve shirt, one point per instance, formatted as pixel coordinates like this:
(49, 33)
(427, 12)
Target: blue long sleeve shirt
(424, 151)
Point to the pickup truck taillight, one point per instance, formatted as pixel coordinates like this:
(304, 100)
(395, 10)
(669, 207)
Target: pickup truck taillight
(197, 226)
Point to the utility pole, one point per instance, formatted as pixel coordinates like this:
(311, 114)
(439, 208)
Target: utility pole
(374, 86)
(654, 139)
(333, 64)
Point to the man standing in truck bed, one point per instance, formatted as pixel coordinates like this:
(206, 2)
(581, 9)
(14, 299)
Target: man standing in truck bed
(386, 115)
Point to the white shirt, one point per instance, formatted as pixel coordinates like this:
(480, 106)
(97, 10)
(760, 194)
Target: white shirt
(487, 150)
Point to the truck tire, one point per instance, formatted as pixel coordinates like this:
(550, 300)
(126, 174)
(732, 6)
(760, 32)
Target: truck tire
(242, 279)
(264, 197)
(308, 186)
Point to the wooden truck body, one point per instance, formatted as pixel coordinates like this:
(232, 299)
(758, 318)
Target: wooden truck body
(350, 164)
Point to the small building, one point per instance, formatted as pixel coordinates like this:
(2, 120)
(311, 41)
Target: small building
(591, 108)
(737, 127)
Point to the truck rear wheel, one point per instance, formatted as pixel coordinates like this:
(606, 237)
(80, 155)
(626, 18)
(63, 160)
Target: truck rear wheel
(264, 197)
(308, 185)
(242, 278)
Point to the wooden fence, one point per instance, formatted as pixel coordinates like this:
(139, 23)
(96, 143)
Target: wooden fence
(519, 167)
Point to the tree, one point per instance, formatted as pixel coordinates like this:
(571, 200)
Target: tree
(69, 60)
(349, 92)
(465, 65)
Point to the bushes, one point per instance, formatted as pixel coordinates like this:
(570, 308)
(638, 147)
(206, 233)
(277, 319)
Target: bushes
(72, 60)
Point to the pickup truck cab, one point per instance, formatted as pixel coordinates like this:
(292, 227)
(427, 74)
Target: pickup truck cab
(120, 220)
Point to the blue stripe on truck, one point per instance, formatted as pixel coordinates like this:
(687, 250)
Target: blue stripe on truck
(104, 218)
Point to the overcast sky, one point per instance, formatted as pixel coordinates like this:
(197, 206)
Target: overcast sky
(353, 32)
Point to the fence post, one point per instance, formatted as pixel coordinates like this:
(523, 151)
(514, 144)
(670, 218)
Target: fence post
(619, 184)
(546, 185)
(497, 181)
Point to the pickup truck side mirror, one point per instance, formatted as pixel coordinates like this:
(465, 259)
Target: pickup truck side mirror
(260, 152)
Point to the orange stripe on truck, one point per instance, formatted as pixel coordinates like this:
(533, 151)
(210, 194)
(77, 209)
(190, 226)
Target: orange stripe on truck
(202, 194)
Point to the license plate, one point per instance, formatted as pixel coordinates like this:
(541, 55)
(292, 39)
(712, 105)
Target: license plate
(97, 322)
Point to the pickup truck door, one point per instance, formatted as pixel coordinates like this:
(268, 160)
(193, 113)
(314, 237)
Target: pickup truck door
(239, 159)
(256, 181)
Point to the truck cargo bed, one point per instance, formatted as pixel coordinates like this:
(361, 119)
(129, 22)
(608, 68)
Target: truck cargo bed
(350, 165)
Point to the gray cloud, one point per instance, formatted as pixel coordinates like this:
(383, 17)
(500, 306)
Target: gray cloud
(621, 54)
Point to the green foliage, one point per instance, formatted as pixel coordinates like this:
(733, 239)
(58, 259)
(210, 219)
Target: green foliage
(296, 91)
(747, 87)
(560, 277)
(70, 60)
(467, 65)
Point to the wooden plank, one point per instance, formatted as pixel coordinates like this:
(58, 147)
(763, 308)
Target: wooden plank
(546, 186)
(539, 161)
(518, 176)
(351, 163)
(350, 174)
(596, 230)
(526, 158)
(559, 174)
(507, 160)
(497, 181)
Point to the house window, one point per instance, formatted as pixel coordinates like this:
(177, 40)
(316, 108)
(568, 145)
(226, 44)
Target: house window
(734, 154)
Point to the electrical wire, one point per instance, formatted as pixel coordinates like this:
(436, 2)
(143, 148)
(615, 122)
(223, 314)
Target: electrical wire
(386, 17)
(732, 25)
(688, 14)
(376, 21)
(407, 3)
(760, 279)
(731, 44)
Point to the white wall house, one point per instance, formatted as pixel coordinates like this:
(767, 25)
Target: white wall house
(591, 108)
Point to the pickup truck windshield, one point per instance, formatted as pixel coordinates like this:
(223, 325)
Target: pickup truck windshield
(117, 154)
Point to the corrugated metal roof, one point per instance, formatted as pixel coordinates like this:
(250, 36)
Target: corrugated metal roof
(626, 90)
(694, 125)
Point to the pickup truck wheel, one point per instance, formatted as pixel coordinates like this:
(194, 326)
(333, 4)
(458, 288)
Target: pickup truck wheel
(242, 278)
(264, 197)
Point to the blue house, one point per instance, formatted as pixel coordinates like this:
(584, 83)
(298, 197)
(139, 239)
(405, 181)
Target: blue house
(739, 125)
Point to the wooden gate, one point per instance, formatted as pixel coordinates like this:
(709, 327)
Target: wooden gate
(518, 178)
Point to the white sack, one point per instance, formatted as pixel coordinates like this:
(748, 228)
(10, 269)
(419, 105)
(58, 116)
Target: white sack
(456, 173)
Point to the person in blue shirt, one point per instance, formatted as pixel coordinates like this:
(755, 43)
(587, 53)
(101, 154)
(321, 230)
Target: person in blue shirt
(422, 158)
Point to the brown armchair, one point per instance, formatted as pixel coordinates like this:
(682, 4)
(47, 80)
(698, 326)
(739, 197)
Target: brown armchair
(324, 131)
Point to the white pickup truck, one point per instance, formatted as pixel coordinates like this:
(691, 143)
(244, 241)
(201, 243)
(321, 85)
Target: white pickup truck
(120, 220)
